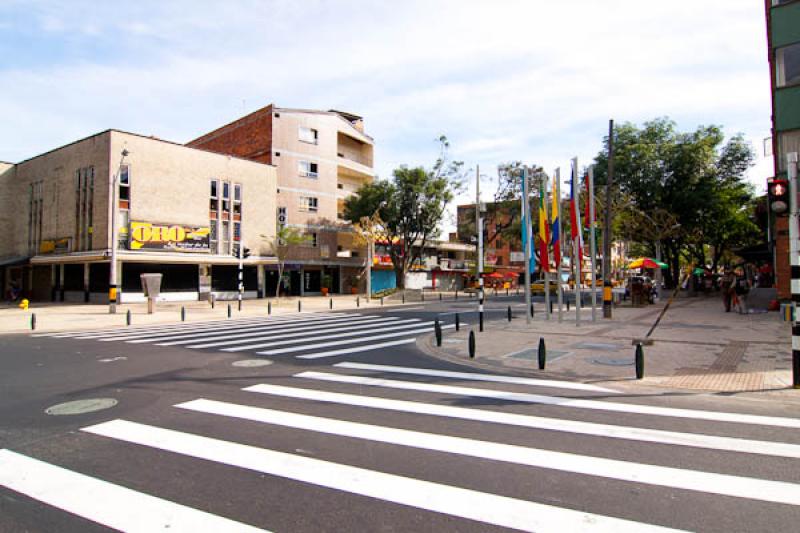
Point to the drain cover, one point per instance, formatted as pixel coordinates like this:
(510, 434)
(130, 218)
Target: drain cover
(81, 406)
(613, 362)
(252, 362)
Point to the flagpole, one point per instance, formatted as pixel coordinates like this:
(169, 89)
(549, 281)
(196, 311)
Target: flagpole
(545, 261)
(576, 242)
(592, 242)
(527, 241)
(559, 288)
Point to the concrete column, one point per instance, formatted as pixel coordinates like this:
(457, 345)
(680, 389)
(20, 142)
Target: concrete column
(53, 282)
(61, 282)
(302, 282)
(119, 282)
(86, 282)
(262, 281)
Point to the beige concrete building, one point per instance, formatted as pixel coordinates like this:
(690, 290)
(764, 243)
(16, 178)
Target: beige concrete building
(321, 158)
(181, 212)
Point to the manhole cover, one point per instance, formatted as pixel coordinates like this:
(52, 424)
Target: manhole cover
(598, 346)
(613, 362)
(533, 353)
(78, 407)
(252, 362)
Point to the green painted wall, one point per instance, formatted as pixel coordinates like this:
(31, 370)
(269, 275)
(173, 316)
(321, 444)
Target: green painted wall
(785, 24)
(787, 108)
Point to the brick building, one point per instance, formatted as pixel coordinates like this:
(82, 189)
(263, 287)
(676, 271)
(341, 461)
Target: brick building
(321, 158)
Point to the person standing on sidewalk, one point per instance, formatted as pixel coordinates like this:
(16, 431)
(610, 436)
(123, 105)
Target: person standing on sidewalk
(726, 285)
(741, 288)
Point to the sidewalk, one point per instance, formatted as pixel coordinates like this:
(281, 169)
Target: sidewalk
(51, 317)
(697, 347)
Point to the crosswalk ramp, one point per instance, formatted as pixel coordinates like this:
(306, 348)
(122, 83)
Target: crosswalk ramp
(385, 442)
(303, 335)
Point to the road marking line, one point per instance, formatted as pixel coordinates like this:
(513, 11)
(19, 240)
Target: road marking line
(455, 501)
(476, 376)
(279, 351)
(349, 332)
(334, 325)
(659, 436)
(678, 478)
(124, 330)
(251, 334)
(366, 348)
(196, 326)
(105, 503)
(717, 416)
(233, 328)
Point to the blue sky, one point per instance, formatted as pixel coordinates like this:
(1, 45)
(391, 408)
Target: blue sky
(530, 80)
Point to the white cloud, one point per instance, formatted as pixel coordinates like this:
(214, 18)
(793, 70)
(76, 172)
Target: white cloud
(504, 80)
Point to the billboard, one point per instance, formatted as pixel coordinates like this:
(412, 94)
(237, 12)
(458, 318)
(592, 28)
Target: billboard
(169, 237)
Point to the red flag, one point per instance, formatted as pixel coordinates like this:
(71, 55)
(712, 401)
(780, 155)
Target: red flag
(587, 213)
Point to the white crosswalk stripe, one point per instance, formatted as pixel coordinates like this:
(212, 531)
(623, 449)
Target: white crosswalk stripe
(302, 335)
(473, 445)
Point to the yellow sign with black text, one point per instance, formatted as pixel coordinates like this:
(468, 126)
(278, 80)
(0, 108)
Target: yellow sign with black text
(169, 237)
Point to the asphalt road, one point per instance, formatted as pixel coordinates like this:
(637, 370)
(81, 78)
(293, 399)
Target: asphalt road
(341, 434)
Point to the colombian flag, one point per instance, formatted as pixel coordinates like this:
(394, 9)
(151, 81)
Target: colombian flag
(544, 232)
(556, 230)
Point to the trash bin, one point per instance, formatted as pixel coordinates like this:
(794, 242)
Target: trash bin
(151, 285)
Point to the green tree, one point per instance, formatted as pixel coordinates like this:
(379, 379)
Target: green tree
(694, 179)
(285, 238)
(410, 207)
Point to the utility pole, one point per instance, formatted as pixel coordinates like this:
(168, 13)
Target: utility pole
(559, 281)
(794, 261)
(576, 244)
(479, 229)
(526, 223)
(545, 261)
(112, 270)
(241, 269)
(607, 226)
(592, 242)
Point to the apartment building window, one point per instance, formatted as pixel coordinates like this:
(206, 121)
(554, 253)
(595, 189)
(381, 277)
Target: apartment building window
(308, 169)
(309, 135)
(35, 212)
(213, 216)
(237, 202)
(84, 212)
(787, 65)
(309, 203)
(788, 141)
(311, 240)
(124, 205)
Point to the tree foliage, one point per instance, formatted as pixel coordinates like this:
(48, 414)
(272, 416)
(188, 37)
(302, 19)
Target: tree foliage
(686, 190)
(409, 206)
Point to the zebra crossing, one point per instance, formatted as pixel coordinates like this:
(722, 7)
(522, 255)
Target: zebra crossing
(435, 426)
(303, 335)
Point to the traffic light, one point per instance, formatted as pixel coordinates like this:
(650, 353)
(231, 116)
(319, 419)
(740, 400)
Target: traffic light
(778, 192)
(246, 252)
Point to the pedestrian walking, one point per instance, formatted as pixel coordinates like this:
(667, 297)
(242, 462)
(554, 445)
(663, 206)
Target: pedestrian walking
(726, 285)
(740, 290)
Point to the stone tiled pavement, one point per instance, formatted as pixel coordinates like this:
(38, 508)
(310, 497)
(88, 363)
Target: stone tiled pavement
(697, 346)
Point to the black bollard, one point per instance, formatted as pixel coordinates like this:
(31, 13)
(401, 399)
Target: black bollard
(639, 361)
(567, 305)
(458, 322)
(299, 306)
(456, 294)
(128, 317)
(480, 321)
(440, 296)
(471, 344)
(213, 300)
(533, 311)
(404, 297)
(239, 304)
(551, 307)
(269, 308)
(381, 301)
(509, 313)
(183, 314)
(542, 353)
(506, 291)
(33, 321)
(422, 295)
(330, 304)
(229, 310)
(437, 328)
(358, 301)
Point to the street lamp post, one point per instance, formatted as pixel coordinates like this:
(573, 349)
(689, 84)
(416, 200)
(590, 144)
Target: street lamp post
(112, 271)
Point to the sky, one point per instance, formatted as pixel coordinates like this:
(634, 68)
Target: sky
(504, 80)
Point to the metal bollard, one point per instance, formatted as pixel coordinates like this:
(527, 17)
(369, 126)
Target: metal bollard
(480, 321)
(128, 317)
(458, 322)
(299, 306)
(639, 356)
(567, 305)
(471, 344)
(381, 301)
(456, 294)
(542, 353)
(330, 304)
(269, 308)
(213, 300)
(229, 310)
(240, 304)
(440, 296)
(422, 295)
(437, 328)
(33, 321)
(509, 313)
(404, 297)
(358, 301)
(533, 311)
(551, 307)
(506, 291)
(183, 314)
